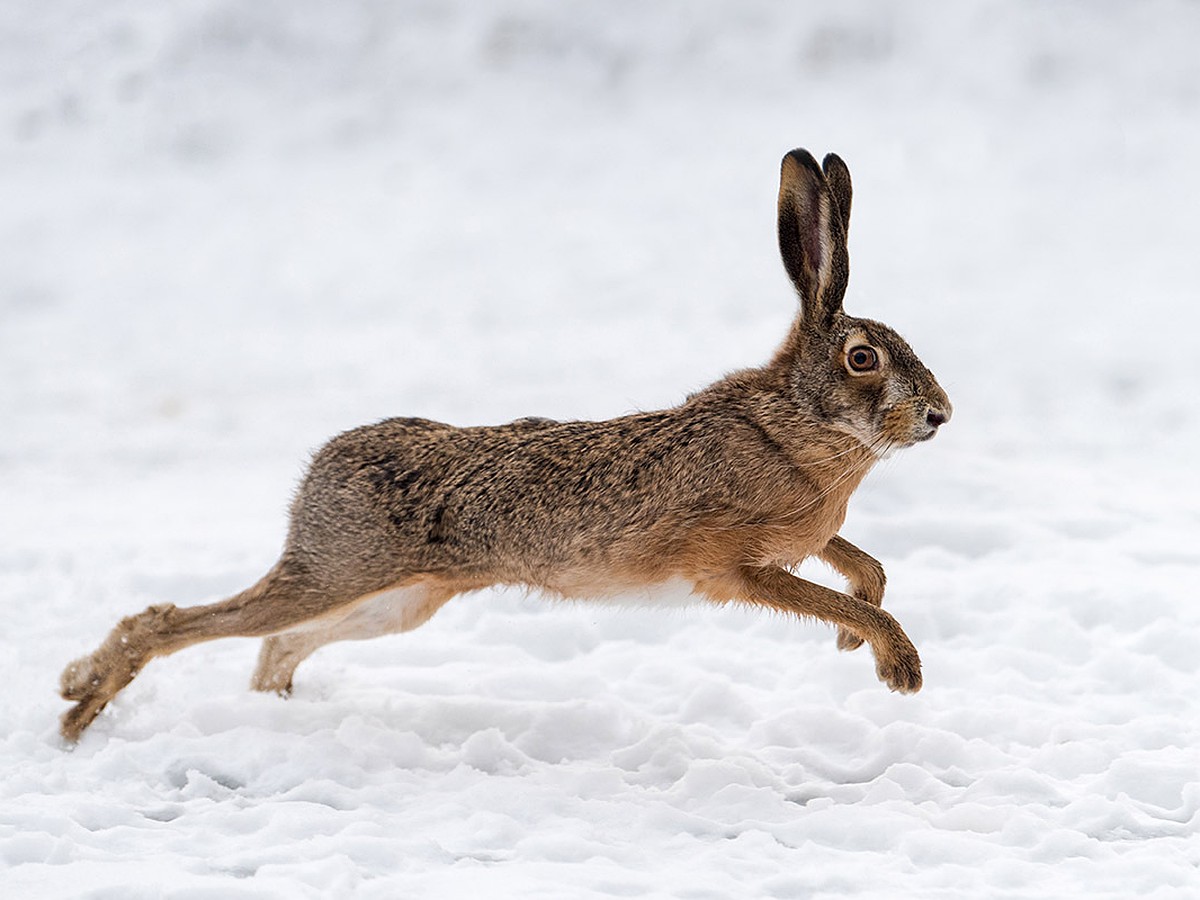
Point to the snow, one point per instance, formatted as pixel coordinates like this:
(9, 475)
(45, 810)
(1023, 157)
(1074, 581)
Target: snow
(232, 230)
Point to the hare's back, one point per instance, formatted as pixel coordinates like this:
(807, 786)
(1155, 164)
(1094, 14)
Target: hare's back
(431, 496)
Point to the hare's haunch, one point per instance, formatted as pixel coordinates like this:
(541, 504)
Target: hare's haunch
(725, 492)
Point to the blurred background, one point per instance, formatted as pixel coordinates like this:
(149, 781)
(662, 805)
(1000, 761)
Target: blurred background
(230, 230)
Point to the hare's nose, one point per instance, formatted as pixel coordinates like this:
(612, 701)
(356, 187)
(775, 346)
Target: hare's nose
(935, 419)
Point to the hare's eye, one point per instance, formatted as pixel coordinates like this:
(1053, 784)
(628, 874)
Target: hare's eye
(862, 359)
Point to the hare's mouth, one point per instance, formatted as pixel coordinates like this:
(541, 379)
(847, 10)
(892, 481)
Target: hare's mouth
(904, 426)
(934, 419)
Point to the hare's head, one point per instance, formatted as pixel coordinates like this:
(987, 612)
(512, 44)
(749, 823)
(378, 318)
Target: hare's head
(853, 375)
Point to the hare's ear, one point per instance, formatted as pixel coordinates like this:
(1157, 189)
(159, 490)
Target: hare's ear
(812, 234)
(837, 176)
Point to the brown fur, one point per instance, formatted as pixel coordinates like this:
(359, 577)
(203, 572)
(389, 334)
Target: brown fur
(728, 491)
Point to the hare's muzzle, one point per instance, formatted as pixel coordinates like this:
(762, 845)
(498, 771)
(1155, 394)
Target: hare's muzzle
(935, 418)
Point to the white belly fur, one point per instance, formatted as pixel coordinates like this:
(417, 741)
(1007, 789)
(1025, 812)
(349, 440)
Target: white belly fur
(675, 593)
(403, 609)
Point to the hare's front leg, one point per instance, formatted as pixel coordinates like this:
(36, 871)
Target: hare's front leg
(864, 577)
(896, 661)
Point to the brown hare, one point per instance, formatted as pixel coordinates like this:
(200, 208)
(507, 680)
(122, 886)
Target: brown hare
(725, 492)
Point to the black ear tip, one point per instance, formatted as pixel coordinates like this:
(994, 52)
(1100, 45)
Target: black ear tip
(833, 161)
(801, 158)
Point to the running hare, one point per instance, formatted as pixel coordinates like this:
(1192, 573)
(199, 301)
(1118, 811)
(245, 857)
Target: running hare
(724, 492)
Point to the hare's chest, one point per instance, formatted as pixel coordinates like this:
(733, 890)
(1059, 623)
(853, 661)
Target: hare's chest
(797, 533)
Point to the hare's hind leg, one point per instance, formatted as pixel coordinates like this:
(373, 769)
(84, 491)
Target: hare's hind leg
(864, 577)
(283, 598)
(389, 612)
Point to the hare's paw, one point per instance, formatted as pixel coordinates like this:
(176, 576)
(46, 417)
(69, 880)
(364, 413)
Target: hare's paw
(277, 662)
(84, 682)
(78, 679)
(272, 682)
(81, 715)
(91, 682)
(848, 640)
(900, 669)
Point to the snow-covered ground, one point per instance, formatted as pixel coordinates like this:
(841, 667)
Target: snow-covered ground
(229, 230)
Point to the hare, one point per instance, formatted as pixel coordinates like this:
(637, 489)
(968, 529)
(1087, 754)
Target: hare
(727, 492)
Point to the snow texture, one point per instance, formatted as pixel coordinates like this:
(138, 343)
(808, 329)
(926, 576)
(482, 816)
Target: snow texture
(231, 230)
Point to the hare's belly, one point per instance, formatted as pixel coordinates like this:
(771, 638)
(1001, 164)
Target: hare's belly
(673, 592)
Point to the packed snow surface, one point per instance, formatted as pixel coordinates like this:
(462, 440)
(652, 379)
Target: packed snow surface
(230, 230)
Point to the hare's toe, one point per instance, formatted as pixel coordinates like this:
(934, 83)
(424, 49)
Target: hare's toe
(277, 662)
(78, 679)
(81, 715)
(901, 671)
(272, 683)
(848, 640)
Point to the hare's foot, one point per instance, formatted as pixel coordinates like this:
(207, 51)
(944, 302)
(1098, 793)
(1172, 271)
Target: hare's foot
(92, 682)
(80, 716)
(277, 662)
(78, 679)
(899, 666)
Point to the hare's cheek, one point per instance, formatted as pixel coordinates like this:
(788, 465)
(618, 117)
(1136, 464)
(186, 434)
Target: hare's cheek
(893, 410)
(895, 394)
(858, 423)
(872, 404)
